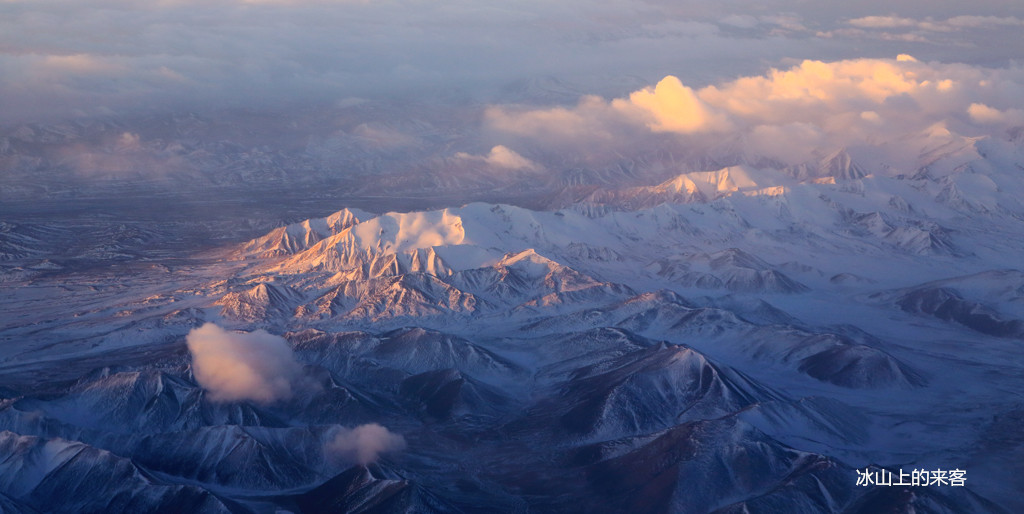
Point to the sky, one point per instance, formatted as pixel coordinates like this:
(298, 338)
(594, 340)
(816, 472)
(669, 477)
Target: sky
(73, 58)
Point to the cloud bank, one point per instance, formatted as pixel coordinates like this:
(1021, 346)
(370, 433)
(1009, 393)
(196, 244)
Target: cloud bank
(232, 366)
(789, 114)
(362, 444)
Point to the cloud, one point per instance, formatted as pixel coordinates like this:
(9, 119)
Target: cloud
(883, 22)
(790, 114)
(743, 21)
(122, 155)
(560, 123)
(982, 113)
(955, 38)
(372, 135)
(954, 32)
(674, 108)
(968, 21)
(928, 24)
(362, 444)
(128, 141)
(784, 24)
(234, 366)
(501, 157)
(80, 64)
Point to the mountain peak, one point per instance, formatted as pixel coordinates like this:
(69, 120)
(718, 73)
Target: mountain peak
(294, 238)
(840, 165)
(528, 255)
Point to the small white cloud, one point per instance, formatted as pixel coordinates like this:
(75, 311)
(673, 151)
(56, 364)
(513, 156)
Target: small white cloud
(584, 123)
(883, 22)
(984, 21)
(676, 108)
(743, 21)
(128, 141)
(381, 136)
(234, 366)
(362, 444)
(981, 113)
(955, 23)
(784, 23)
(501, 157)
(81, 64)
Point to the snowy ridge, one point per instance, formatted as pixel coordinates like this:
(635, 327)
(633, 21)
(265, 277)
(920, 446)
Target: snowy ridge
(71, 476)
(300, 236)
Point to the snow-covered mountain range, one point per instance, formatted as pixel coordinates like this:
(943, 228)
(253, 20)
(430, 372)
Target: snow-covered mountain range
(720, 332)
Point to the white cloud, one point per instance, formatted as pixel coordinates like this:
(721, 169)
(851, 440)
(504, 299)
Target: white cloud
(674, 108)
(382, 137)
(501, 157)
(235, 366)
(984, 21)
(744, 21)
(931, 25)
(785, 23)
(593, 119)
(883, 22)
(362, 444)
(982, 113)
(128, 141)
(871, 116)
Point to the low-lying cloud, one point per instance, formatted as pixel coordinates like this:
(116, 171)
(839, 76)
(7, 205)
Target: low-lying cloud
(237, 366)
(362, 444)
(501, 157)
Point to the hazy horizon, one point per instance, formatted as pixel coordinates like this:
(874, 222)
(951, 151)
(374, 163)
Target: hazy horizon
(64, 59)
